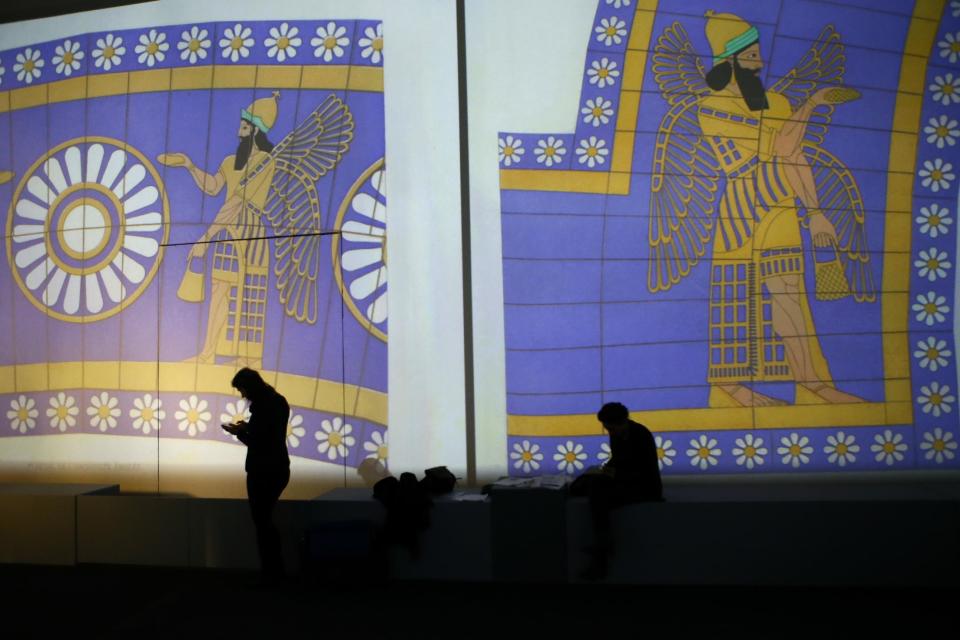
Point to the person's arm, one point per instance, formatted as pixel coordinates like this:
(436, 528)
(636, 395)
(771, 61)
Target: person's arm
(209, 184)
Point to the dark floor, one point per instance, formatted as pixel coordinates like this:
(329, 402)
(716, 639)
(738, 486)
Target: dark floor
(114, 602)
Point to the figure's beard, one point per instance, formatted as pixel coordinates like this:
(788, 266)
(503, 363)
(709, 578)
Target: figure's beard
(244, 149)
(751, 87)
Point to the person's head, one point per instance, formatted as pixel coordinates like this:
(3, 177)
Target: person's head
(251, 137)
(250, 385)
(255, 122)
(613, 416)
(736, 57)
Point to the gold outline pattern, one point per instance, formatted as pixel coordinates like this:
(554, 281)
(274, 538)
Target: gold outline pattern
(335, 246)
(165, 223)
(897, 407)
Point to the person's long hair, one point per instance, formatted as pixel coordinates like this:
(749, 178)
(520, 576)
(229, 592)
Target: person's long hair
(251, 382)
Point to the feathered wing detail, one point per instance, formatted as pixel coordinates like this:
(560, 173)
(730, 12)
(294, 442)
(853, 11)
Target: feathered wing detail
(822, 65)
(676, 66)
(682, 196)
(293, 208)
(842, 204)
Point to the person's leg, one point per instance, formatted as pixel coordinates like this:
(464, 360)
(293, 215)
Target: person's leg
(601, 499)
(264, 493)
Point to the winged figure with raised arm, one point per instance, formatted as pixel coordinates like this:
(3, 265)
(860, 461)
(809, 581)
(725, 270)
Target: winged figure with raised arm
(739, 169)
(265, 185)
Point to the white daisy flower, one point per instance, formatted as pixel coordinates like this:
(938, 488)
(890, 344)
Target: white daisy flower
(372, 43)
(147, 413)
(604, 454)
(569, 457)
(63, 412)
(932, 353)
(550, 151)
(193, 44)
(603, 72)
(611, 30)
(597, 111)
(152, 48)
(934, 220)
(936, 399)
(108, 53)
(950, 47)
(703, 452)
(67, 57)
(510, 150)
(22, 414)
(236, 42)
(795, 449)
(3, 70)
(939, 445)
(932, 264)
(665, 451)
(329, 41)
(192, 415)
(283, 42)
(841, 448)
(946, 89)
(377, 447)
(334, 438)
(936, 174)
(526, 456)
(619, 3)
(942, 131)
(955, 8)
(749, 451)
(592, 151)
(103, 411)
(889, 447)
(931, 308)
(295, 430)
(28, 65)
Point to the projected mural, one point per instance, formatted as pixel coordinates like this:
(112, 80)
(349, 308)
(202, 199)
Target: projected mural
(748, 240)
(186, 200)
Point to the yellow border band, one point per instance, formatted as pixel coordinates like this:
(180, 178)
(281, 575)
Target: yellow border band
(189, 377)
(789, 417)
(334, 77)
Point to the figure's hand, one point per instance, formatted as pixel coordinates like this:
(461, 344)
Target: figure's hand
(820, 97)
(821, 230)
(198, 250)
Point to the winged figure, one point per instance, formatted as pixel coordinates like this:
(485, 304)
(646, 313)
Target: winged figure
(739, 169)
(271, 185)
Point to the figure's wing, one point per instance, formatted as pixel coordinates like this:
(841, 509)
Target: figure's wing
(293, 207)
(676, 65)
(842, 204)
(682, 196)
(822, 65)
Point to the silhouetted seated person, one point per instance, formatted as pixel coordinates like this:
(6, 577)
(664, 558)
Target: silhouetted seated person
(631, 474)
(267, 464)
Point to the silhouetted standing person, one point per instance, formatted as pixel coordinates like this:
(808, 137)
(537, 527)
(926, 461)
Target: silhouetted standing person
(632, 474)
(267, 464)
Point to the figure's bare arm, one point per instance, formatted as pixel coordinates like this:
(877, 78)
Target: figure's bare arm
(209, 184)
(797, 169)
(787, 142)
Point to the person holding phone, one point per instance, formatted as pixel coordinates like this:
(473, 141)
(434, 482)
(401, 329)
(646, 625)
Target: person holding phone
(267, 464)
